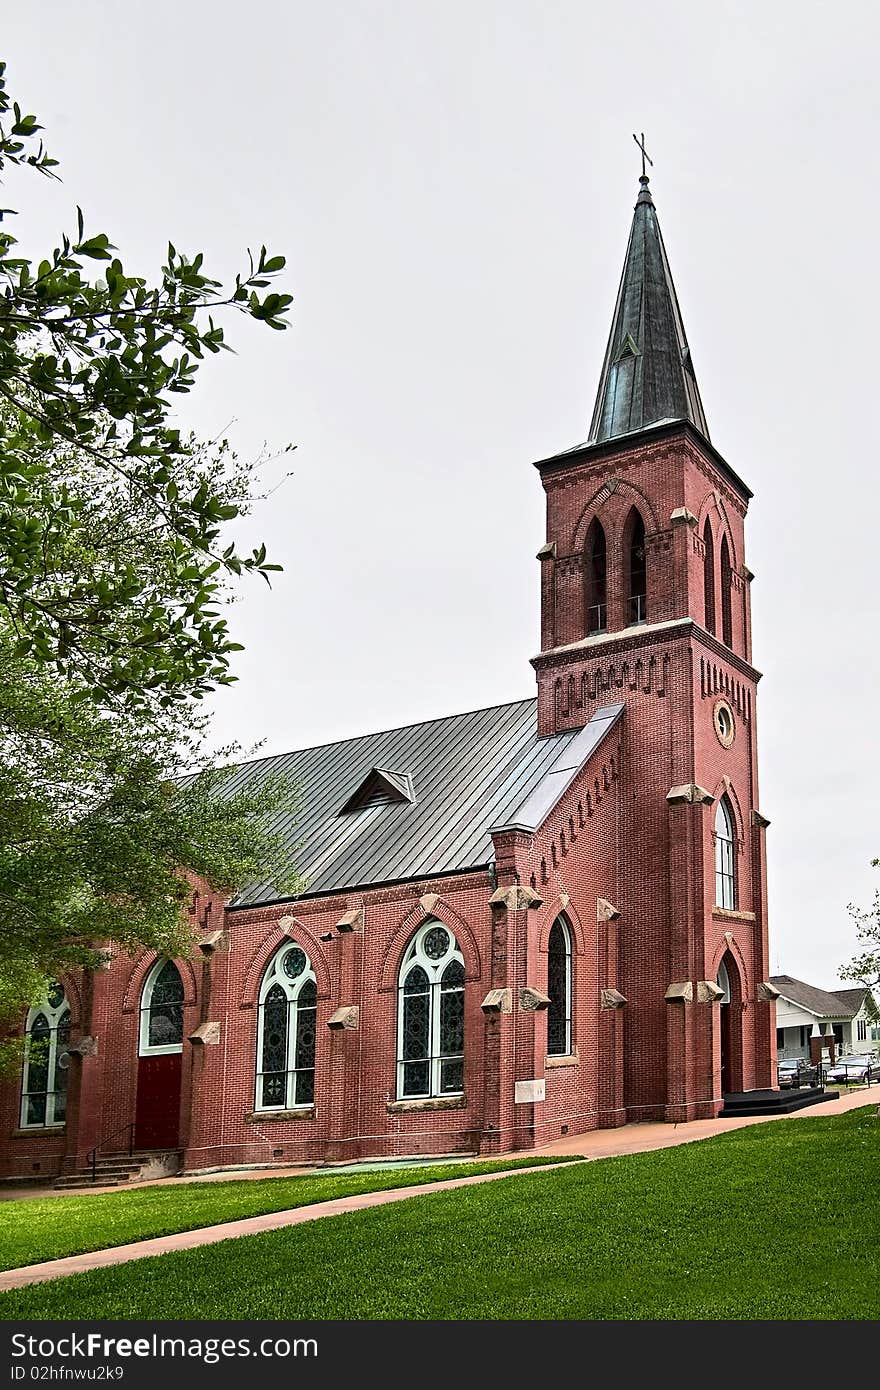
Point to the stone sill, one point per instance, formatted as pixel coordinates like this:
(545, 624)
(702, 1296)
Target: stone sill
(727, 914)
(46, 1132)
(571, 1059)
(402, 1107)
(260, 1117)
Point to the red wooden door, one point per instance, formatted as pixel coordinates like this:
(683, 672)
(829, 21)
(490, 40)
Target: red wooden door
(157, 1118)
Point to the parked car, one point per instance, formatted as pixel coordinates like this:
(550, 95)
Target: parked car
(797, 1071)
(860, 1066)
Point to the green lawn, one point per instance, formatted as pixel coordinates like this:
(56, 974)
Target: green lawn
(773, 1221)
(46, 1228)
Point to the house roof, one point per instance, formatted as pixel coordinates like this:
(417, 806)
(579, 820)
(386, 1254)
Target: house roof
(471, 773)
(852, 998)
(820, 1002)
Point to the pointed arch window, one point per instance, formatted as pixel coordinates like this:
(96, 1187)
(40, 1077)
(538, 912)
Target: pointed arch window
(46, 1060)
(430, 1016)
(709, 577)
(637, 570)
(161, 1030)
(597, 579)
(726, 581)
(559, 1042)
(725, 855)
(286, 1031)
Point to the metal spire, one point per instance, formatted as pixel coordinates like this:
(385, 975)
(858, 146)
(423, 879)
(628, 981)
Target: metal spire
(647, 375)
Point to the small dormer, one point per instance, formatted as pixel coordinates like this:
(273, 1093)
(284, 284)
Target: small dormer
(382, 786)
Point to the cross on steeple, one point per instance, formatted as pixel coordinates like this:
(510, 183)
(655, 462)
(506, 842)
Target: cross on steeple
(645, 155)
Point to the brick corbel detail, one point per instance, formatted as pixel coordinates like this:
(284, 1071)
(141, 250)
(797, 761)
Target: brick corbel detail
(689, 794)
(497, 1001)
(346, 1017)
(516, 898)
(353, 920)
(207, 1033)
(612, 999)
(680, 992)
(533, 1000)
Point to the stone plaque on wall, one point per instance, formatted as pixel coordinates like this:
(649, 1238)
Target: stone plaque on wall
(527, 1092)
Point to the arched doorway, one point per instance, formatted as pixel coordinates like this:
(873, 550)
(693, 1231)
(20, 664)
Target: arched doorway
(160, 1049)
(728, 982)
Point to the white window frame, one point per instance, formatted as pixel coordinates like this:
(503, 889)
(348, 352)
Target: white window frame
(274, 975)
(567, 1002)
(54, 1017)
(415, 955)
(725, 875)
(145, 1047)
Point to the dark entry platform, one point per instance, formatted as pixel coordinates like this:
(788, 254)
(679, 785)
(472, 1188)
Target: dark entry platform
(773, 1102)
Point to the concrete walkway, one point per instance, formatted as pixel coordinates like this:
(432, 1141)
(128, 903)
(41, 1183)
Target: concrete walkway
(603, 1143)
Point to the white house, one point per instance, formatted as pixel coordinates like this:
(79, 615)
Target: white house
(803, 1011)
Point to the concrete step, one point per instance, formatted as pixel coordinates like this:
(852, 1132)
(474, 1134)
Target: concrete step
(85, 1180)
(114, 1170)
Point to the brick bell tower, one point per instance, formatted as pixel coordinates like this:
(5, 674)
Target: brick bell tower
(645, 599)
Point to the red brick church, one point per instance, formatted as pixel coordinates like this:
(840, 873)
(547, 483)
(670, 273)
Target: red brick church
(526, 921)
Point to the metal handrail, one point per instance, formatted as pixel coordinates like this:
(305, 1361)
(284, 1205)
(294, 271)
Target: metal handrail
(92, 1155)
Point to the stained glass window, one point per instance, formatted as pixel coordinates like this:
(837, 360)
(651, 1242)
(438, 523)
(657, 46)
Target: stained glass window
(306, 1009)
(430, 1040)
(725, 863)
(162, 1010)
(44, 1081)
(286, 1032)
(559, 990)
(274, 1052)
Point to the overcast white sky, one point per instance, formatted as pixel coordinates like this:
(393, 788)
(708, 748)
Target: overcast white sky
(452, 183)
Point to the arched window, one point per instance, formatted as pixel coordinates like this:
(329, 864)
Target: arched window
(726, 619)
(286, 1032)
(559, 990)
(725, 849)
(162, 1011)
(597, 579)
(722, 980)
(709, 577)
(430, 1016)
(46, 1059)
(636, 570)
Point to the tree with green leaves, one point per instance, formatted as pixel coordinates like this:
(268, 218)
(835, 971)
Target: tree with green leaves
(865, 966)
(114, 570)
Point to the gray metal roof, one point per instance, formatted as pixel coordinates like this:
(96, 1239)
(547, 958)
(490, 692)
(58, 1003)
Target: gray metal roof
(820, 1002)
(469, 772)
(647, 376)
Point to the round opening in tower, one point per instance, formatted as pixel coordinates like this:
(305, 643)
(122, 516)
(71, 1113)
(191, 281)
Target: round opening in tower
(724, 725)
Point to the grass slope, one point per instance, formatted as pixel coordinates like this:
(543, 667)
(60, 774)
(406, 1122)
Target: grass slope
(777, 1221)
(47, 1228)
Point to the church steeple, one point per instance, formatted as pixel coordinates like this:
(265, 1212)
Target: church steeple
(647, 375)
